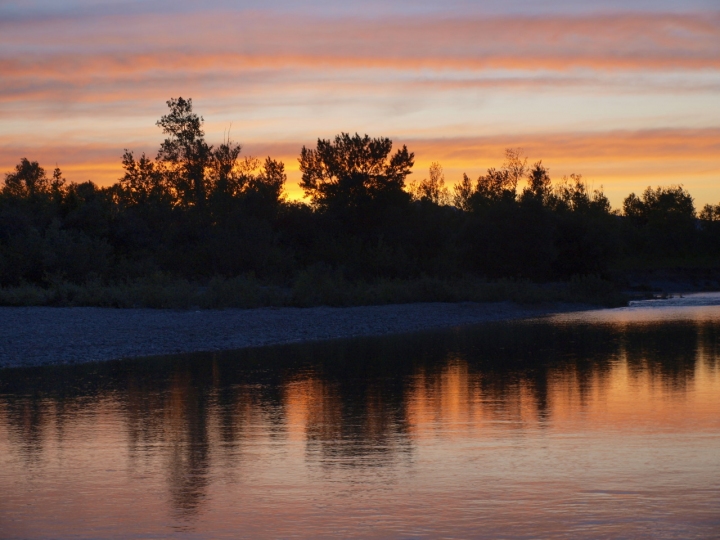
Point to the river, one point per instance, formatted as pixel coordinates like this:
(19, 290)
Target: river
(586, 425)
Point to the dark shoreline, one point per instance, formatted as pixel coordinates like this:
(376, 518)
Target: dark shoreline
(38, 336)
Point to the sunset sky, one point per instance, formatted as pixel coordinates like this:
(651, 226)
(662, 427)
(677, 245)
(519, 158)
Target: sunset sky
(627, 94)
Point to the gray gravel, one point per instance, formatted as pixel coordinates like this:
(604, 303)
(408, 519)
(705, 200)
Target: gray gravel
(34, 336)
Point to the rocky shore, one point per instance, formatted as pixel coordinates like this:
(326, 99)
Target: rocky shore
(35, 336)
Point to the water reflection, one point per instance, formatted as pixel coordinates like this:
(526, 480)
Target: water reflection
(195, 442)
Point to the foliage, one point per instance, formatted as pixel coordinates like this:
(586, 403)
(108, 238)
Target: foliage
(354, 172)
(431, 190)
(663, 220)
(203, 225)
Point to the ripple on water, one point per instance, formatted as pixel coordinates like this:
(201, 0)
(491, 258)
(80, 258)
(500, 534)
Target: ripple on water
(595, 424)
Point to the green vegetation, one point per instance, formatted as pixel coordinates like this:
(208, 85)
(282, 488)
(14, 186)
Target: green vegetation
(201, 226)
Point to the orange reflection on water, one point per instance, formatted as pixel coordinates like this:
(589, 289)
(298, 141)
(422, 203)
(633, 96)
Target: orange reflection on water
(631, 395)
(611, 429)
(312, 410)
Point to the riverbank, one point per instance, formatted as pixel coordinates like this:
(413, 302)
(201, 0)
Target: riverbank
(318, 287)
(655, 281)
(35, 336)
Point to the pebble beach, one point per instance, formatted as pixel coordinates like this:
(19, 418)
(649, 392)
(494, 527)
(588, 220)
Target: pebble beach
(37, 336)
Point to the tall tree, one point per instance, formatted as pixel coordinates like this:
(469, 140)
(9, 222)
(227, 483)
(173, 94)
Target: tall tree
(28, 179)
(227, 175)
(539, 186)
(354, 171)
(497, 185)
(664, 218)
(144, 180)
(432, 189)
(660, 204)
(515, 166)
(462, 191)
(184, 152)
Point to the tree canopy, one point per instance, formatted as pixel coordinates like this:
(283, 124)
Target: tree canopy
(184, 152)
(198, 210)
(354, 171)
(29, 179)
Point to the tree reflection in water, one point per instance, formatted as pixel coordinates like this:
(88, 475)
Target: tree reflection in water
(350, 405)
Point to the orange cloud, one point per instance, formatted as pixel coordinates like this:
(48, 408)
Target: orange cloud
(83, 49)
(620, 145)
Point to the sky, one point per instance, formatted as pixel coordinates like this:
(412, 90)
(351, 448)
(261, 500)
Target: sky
(626, 93)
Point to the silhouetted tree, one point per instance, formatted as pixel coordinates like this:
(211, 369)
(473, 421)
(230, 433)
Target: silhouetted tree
(143, 181)
(539, 186)
(710, 213)
(515, 166)
(462, 191)
(431, 189)
(270, 182)
(228, 175)
(664, 219)
(495, 186)
(198, 211)
(29, 179)
(355, 172)
(573, 194)
(660, 204)
(184, 152)
(586, 231)
(710, 225)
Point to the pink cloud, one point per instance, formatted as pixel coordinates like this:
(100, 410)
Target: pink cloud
(125, 46)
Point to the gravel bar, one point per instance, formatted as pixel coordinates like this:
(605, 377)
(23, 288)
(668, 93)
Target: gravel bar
(35, 336)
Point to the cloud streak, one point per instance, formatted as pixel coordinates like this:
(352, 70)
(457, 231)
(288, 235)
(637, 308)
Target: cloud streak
(620, 145)
(109, 46)
(620, 94)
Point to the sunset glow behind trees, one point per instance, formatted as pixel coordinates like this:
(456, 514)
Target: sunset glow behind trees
(626, 94)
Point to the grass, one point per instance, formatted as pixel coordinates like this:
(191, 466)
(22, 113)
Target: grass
(311, 288)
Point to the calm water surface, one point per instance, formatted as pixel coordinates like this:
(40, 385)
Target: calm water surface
(603, 424)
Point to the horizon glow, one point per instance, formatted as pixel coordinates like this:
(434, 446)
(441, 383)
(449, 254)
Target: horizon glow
(628, 95)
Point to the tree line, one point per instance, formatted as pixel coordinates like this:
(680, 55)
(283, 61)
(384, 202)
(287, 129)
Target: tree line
(196, 211)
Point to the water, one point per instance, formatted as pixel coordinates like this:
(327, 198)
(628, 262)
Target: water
(598, 424)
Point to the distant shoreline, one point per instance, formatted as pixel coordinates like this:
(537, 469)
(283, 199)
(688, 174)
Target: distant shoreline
(38, 336)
